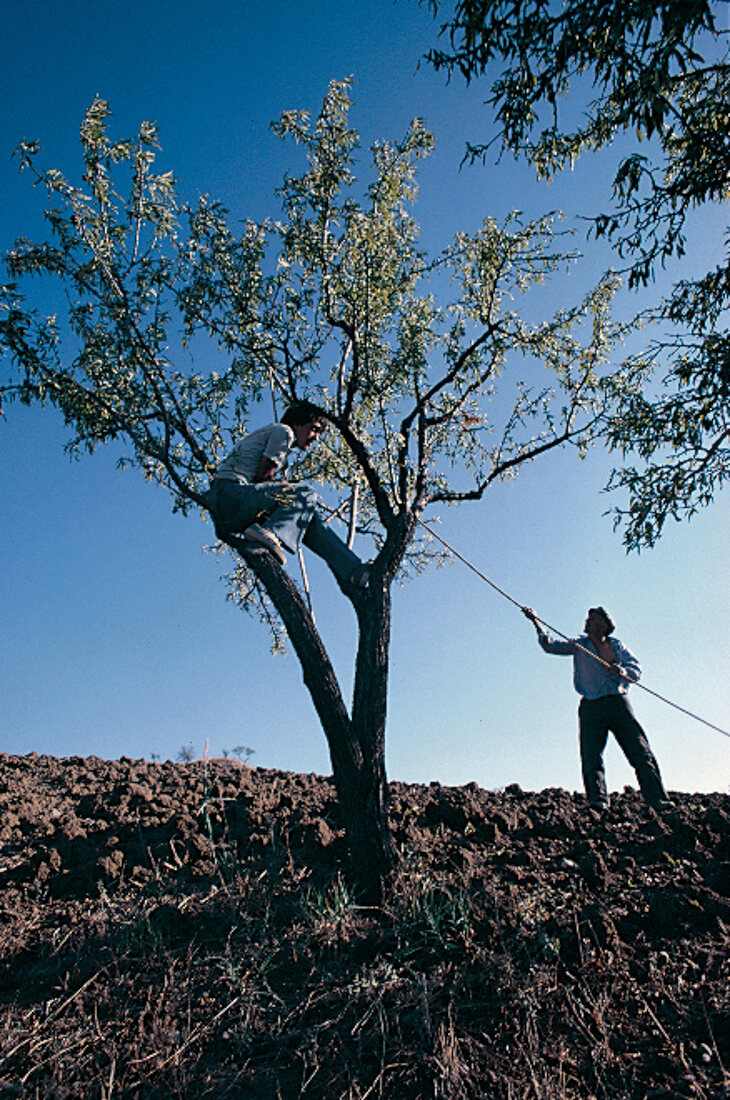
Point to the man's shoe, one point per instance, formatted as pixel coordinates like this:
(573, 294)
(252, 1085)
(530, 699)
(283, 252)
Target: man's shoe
(263, 537)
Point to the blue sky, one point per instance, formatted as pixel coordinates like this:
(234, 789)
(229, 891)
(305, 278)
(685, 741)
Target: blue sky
(118, 638)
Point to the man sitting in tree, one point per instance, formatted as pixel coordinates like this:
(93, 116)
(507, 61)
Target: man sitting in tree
(248, 496)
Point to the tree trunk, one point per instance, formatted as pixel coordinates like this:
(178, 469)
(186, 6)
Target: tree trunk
(377, 854)
(357, 744)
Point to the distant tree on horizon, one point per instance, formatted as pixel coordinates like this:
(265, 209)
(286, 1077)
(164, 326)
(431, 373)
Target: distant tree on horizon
(433, 386)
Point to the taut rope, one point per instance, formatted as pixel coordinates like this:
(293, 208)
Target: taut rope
(552, 630)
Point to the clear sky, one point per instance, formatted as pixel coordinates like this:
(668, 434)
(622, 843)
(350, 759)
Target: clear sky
(118, 639)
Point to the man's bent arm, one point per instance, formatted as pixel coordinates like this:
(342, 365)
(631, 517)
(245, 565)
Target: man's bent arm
(554, 645)
(628, 665)
(266, 471)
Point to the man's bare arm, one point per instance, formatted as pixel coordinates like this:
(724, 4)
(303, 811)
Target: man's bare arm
(266, 471)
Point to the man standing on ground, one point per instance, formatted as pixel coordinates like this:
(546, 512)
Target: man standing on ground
(603, 670)
(247, 496)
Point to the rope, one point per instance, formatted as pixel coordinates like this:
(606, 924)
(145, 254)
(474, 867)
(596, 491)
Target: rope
(553, 630)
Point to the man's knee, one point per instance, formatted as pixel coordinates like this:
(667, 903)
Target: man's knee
(234, 507)
(634, 742)
(641, 755)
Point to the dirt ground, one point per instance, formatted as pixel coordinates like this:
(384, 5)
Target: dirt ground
(186, 930)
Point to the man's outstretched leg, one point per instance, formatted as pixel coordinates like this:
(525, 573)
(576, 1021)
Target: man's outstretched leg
(297, 520)
(635, 747)
(345, 565)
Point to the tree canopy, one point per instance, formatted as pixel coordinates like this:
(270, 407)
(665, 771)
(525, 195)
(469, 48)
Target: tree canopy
(328, 303)
(433, 384)
(658, 72)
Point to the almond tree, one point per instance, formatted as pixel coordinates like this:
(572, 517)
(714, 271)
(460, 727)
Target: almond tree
(433, 386)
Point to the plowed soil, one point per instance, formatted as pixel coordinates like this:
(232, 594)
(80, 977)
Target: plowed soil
(186, 930)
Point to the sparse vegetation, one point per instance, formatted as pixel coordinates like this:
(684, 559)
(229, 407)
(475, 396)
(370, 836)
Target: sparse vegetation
(243, 752)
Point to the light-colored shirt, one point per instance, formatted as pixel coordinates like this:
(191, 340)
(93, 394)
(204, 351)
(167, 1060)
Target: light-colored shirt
(591, 678)
(273, 442)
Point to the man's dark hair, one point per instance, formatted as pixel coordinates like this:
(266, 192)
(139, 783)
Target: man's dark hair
(303, 412)
(610, 624)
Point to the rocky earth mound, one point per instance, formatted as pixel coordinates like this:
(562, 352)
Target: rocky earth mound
(186, 930)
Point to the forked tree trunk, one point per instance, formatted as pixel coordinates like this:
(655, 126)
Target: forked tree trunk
(356, 743)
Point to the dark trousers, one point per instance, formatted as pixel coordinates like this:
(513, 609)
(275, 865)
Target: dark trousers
(613, 713)
(289, 511)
